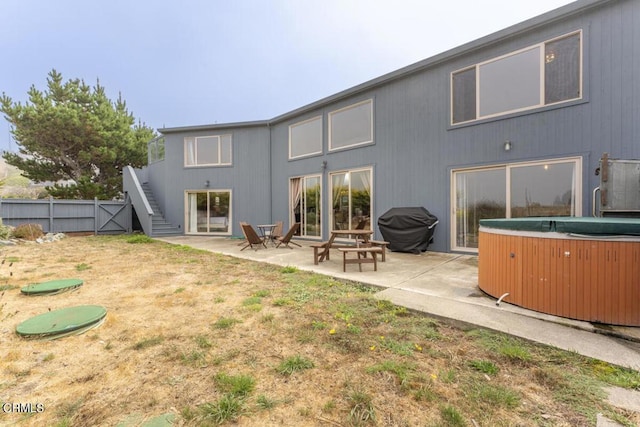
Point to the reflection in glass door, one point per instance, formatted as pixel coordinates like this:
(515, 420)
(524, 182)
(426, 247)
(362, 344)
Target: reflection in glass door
(512, 191)
(208, 212)
(305, 204)
(480, 195)
(351, 199)
(546, 189)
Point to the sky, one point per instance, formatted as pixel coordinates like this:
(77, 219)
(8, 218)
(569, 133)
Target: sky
(198, 62)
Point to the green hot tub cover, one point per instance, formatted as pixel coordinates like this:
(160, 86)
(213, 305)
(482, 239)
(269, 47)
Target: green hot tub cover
(52, 287)
(63, 322)
(572, 225)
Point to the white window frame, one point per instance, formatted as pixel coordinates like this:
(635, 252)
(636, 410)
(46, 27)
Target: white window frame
(541, 47)
(194, 141)
(368, 169)
(507, 170)
(332, 114)
(303, 219)
(292, 142)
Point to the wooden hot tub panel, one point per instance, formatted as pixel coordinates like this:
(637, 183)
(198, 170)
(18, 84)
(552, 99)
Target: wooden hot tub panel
(585, 279)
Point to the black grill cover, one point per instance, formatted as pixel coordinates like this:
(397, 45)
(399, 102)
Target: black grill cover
(407, 229)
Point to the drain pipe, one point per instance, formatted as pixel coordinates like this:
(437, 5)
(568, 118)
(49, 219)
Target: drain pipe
(500, 299)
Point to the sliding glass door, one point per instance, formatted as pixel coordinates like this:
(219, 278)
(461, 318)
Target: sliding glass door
(208, 212)
(480, 194)
(305, 204)
(550, 188)
(351, 199)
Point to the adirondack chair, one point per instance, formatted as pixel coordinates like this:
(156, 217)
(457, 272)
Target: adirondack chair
(252, 238)
(286, 239)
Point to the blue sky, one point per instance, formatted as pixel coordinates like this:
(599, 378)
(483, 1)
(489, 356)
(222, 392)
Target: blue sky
(194, 62)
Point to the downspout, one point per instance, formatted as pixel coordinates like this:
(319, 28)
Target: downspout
(270, 177)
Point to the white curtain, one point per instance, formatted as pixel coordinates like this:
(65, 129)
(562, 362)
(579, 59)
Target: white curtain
(296, 191)
(190, 151)
(193, 212)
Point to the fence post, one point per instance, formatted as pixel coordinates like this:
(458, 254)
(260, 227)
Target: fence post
(50, 214)
(95, 216)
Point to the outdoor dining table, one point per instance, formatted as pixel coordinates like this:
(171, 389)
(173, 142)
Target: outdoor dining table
(266, 232)
(358, 236)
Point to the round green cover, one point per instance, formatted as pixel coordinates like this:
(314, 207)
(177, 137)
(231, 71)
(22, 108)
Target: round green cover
(62, 321)
(53, 286)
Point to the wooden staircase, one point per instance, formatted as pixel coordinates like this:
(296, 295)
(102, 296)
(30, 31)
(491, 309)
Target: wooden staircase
(160, 227)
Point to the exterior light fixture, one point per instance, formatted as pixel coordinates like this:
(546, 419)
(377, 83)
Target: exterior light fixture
(206, 183)
(507, 145)
(324, 165)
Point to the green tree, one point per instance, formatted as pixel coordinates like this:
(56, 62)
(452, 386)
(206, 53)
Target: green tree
(73, 132)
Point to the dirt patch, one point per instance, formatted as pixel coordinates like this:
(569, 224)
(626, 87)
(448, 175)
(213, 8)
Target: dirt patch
(180, 321)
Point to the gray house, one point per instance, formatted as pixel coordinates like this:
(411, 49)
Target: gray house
(513, 124)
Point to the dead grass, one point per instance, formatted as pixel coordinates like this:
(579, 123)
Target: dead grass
(305, 350)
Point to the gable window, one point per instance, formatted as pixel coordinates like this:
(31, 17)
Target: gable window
(351, 126)
(155, 149)
(207, 150)
(305, 138)
(544, 74)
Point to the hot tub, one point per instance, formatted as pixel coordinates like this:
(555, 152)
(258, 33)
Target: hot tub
(579, 268)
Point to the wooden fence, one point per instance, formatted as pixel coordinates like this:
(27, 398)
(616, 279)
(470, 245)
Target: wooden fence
(69, 216)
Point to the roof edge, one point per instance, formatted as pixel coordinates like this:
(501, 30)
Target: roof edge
(530, 24)
(214, 126)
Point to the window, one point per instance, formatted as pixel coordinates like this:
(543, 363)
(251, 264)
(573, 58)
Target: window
(305, 204)
(351, 126)
(305, 138)
(533, 77)
(207, 150)
(351, 199)
(155, 149)
(208, 212)
(550, 188)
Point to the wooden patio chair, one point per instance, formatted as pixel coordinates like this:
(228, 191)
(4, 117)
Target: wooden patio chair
(252, 237)
(277, 230)
(245, 237)
(286, 239)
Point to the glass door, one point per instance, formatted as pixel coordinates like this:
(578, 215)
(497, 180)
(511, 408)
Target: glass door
(208, 212)
(351, 199)
(480, 194)
(305, 205)
(550, 188)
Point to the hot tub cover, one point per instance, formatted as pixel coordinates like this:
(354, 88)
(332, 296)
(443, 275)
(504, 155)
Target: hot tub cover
(571, 225)
(407, 229)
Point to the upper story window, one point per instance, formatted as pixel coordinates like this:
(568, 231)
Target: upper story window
(207, 150)
(540, 75)
(351, 126)
(155, 149)
(305, 138)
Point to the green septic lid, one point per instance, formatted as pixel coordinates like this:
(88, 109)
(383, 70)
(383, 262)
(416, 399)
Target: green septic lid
(52, 287)
(60, 323)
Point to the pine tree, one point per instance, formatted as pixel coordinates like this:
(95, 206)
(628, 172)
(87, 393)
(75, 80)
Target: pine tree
(74, 136)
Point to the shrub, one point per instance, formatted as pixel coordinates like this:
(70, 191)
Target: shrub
(28, 231)
(6, 231)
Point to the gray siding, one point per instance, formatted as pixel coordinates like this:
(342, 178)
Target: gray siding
(415, 149)
(247, 178)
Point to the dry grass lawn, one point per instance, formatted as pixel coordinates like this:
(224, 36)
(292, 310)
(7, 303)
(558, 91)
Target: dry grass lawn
(214, 340)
